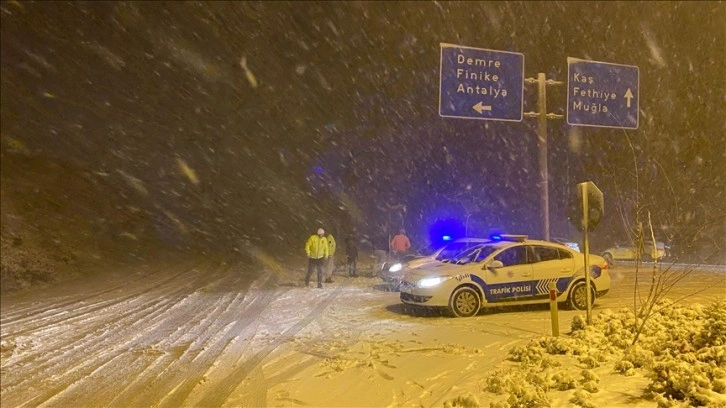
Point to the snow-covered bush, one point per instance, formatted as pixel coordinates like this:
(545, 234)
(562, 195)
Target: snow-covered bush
(578, 323)
(527, 355)
(593, 358)
(715, 355)
(665, 402)
(564, 381)
(719, 380)
(682, 350)
(713, 332)
(498, 382)
(532, 355)
(540, 379)
(683, 379)
(548, 362)
(625, 368)
(638, 356)
(523, 395)
(622, 339)
(526, 389)
(588, 375)
(591, 387)
(583, 399)
(465, 401)
(563, 345)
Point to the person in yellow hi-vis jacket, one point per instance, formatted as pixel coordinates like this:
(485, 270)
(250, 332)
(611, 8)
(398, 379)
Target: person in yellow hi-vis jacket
(330, 263)
(317, 251)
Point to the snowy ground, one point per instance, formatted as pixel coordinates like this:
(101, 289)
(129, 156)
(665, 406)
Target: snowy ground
(197, 334)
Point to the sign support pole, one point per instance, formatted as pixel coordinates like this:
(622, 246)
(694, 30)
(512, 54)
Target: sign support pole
(542, 138)
(588, 284)
(542, 117)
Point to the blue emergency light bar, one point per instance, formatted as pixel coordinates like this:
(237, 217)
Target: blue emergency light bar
(508, 237)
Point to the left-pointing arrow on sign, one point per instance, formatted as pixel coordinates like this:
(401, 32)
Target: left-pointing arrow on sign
(479, 107)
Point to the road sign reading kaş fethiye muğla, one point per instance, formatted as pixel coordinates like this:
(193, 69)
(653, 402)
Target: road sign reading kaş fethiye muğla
(602, 94)
(477, 83)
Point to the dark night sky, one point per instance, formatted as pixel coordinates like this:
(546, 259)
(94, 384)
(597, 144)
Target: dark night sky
(154, 100)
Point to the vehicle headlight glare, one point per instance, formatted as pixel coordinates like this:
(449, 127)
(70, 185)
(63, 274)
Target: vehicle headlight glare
(431, 282)
(395, 267)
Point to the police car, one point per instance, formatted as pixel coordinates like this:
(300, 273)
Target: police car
(510, 270)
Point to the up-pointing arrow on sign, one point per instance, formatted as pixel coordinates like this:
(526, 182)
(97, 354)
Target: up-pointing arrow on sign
(628, 96)
(479, 107)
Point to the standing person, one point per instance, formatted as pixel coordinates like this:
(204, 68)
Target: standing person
(400, 244)
(351, 250)
(316, 249)
(330, 264)
(381, 248)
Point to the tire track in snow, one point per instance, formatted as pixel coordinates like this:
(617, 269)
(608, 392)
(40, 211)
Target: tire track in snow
(96, 347)
(254, 393)
(172, 387)
(65, 361)
(155, 360)
(19, 314)
(187, 343)
(193, 345)
(44, 316)
(223, 389)
(86, 320)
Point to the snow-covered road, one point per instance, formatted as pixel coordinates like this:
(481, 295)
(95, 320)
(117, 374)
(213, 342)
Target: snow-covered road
(199, 334)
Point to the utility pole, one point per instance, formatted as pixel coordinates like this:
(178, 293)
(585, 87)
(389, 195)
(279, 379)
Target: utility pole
(542, 117)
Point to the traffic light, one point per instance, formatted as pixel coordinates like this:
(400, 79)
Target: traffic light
(595, 207)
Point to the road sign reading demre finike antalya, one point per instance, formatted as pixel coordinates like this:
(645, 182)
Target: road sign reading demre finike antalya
(602, 94)
(480, 84)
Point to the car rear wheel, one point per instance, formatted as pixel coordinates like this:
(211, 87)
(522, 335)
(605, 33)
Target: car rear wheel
(464, 302)
(578, 296)
(608, 258)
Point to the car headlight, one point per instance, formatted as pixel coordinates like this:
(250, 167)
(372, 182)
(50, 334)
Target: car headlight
(395, 267)
(431, 282)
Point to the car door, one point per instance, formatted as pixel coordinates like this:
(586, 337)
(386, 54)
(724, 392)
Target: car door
(513, 281)
(550, 264)
(624, 251)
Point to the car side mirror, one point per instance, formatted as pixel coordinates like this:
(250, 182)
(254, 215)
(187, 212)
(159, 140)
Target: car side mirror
(493, 265)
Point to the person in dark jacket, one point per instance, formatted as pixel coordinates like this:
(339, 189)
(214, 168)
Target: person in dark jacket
(351, 250)
(381, 247)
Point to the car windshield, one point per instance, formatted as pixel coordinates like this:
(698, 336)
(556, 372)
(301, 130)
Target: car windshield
(453, 249)
(473, 255)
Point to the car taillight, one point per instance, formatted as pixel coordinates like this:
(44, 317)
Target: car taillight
(604, 265)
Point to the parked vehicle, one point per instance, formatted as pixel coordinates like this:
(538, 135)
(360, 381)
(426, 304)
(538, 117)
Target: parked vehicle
(630, 252)
(512, 271)
(568, 243)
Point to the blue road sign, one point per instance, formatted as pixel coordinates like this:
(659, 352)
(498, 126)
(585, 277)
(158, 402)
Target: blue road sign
(480, 84)
(602, 94)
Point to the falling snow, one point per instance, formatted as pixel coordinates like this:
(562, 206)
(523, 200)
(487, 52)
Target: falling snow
(138, 136)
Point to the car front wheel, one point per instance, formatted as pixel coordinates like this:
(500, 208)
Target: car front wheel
(608, 258)
(578, 296)
(465, 302)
